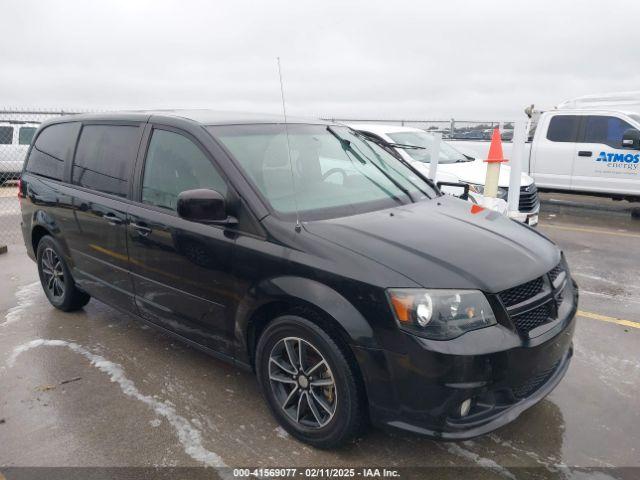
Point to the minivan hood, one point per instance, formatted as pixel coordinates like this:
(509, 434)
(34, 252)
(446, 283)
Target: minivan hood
(445, 243)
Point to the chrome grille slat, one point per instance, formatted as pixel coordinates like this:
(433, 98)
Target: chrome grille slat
(528, 198)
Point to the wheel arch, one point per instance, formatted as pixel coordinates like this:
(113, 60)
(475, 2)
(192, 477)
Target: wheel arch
(44, 224)
(296, 295)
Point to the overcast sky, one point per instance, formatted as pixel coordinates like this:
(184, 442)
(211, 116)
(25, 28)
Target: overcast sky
(382, 59)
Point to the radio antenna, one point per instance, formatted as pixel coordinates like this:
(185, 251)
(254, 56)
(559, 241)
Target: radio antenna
(298, 227)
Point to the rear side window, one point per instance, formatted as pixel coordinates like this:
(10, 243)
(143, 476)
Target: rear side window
(563, 128)
(6, 135)
(104, 158)
(175, 164)
(26, 135)
(605, 130)
(53, 147)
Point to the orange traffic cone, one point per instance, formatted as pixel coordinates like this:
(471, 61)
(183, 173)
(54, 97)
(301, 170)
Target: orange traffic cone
(496, 157)
(495, 150)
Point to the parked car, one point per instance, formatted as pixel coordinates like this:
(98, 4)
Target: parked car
(15, 138)
(581, 148)
(454, 166)
(304, 252)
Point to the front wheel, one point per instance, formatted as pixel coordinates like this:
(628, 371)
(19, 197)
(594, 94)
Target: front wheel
(309, 382)
(56, 279)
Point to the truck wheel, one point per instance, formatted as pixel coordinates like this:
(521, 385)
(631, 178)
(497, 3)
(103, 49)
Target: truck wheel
(308, 382)
(56, 279)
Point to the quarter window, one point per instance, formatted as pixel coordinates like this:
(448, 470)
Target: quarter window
(53, 146)
(563, 128)
(26, 135)
(175, 164)
(104, 157)
(605, 130)
(6, 135)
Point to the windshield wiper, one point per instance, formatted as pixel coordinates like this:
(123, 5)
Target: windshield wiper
(346, 145)
(385, 145)
(405, 146)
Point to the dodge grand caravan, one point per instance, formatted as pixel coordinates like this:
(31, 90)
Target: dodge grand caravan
(352, 287)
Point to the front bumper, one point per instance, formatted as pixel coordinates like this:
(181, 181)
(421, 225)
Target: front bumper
(419, 384)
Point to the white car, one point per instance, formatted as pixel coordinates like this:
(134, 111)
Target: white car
(15, 138)
(453, 166)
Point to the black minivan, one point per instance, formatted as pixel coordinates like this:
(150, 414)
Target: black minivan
(352, 287)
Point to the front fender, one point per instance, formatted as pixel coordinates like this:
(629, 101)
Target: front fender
(292, 289)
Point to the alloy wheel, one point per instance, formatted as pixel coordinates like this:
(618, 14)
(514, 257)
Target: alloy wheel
(53, 273)
(302, 382)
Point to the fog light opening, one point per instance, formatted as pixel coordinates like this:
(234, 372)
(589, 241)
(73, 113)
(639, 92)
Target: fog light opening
(465, 407)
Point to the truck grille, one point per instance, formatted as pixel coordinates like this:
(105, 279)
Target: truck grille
(528, 198)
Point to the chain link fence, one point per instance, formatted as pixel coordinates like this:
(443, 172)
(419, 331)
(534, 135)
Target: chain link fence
(17, 128)
(452, 129)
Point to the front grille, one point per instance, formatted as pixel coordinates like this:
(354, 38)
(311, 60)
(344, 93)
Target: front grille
(534, 383)
(557, 270)
(528, 198)
(527, 321)
(522, 292)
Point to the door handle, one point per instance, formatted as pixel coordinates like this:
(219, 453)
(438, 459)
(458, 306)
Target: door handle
(585, 153)
(112, 219)
(141, 228)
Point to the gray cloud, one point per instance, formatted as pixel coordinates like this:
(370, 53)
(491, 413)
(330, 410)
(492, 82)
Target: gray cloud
(391, 59)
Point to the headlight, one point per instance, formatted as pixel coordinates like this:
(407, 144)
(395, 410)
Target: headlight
(440, 314)
(502, 191)
(476, 188)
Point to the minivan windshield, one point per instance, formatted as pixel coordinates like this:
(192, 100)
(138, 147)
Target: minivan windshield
(448, 154)
(319, 170)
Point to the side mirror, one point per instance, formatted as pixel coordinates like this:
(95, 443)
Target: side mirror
(631, 139)
(205, 206)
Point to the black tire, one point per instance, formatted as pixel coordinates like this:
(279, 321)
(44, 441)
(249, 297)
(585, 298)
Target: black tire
(55, 277)
(345, 397)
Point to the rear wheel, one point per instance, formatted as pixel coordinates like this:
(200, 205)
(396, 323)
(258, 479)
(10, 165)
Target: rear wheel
(310, 385)
(56, 279)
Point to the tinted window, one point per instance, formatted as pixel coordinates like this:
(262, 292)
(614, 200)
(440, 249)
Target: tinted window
(26, 135)
(53, 146)
(175, 164)
(605, 130)
(104, 158)
(58, 140)
(6, 135)
(563, 128)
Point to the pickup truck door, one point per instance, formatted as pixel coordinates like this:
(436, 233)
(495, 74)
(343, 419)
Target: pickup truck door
(601, 164)
(553, 151)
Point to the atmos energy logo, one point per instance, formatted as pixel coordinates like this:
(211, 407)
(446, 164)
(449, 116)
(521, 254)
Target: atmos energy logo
(620, 160)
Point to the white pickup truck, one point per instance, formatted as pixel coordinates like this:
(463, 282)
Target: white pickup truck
(587, 145)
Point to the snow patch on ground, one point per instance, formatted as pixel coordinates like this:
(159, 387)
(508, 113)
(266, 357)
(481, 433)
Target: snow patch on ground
(281, 432)
(189, 436)
(26, 295)
(478, 460)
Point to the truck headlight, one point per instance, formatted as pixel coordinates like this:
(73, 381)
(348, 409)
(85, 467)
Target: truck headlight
(440, 314)
(503, 192)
